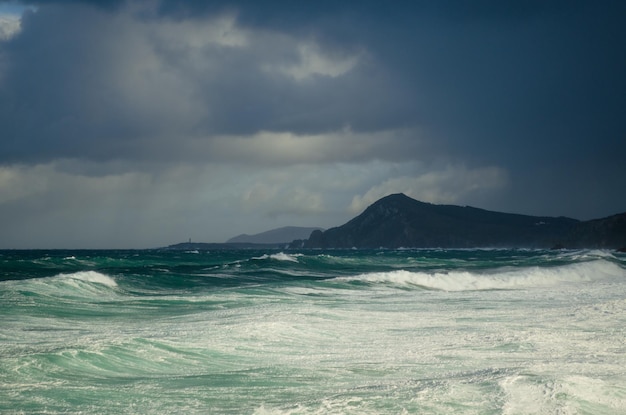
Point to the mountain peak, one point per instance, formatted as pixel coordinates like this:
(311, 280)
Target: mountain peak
(396, 198)
(397, 220)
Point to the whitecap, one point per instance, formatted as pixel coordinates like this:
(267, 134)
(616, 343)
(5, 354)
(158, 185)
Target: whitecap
(90, 277)
(508, 279)
(281, 256)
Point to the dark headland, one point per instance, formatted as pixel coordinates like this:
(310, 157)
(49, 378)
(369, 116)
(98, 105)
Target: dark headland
(397, 221)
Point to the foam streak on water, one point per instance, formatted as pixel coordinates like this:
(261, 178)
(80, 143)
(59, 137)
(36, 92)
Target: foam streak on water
(338, 332)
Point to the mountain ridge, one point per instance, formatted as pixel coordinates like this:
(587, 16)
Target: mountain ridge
(284, 234)
(399, 221)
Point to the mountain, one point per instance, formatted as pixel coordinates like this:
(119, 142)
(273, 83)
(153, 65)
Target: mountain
(604, 233)
(399, 221)
(279, 235)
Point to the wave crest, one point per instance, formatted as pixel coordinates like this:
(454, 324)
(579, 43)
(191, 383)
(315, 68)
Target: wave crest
(281, 256)
(90, 277)
(508, 279)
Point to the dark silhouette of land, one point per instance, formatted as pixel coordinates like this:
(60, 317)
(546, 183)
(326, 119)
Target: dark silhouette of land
(397, 221)
(282, 235)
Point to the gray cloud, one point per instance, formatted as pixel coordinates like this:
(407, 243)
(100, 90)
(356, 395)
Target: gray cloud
(111, 83)
(128, 79)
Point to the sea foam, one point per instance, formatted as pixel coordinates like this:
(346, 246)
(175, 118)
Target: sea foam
(77, 343)
(281, 256)
(508, 279)
(90, 277)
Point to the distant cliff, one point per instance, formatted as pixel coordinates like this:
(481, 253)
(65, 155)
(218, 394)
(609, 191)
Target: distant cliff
(608, 233)
(399, 221)
(279, 235)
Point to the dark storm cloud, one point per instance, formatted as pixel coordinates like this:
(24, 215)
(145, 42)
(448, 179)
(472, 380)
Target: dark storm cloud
(50, 83)
(105, 4)
(83, 82)
(488, 74)
(543, 97)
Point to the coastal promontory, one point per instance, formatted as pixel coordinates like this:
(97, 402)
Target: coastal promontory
(400, 221)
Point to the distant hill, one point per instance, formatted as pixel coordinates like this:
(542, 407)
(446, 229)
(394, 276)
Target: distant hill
(211, 246)
(399, 221)
(280, 235)
(609, 232)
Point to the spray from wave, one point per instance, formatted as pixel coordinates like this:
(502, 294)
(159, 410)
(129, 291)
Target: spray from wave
(281, 256)
(509, 279)
(92, 277)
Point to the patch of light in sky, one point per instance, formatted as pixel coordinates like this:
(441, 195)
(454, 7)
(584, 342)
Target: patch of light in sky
(10, 18)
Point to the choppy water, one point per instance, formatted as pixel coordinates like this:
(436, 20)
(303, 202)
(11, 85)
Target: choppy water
(313, 332)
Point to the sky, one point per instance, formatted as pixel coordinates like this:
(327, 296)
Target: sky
(140, 124)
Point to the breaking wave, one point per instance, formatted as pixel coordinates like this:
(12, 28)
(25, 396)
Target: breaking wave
(506, 279)
(281, 256)
(92, 277)
(85, 285)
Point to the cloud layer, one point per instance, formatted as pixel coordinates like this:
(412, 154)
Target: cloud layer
(142, 123)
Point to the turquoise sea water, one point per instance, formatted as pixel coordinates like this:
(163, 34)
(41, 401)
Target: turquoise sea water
(313, 332)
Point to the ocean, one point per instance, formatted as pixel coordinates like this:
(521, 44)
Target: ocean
(427, 331)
